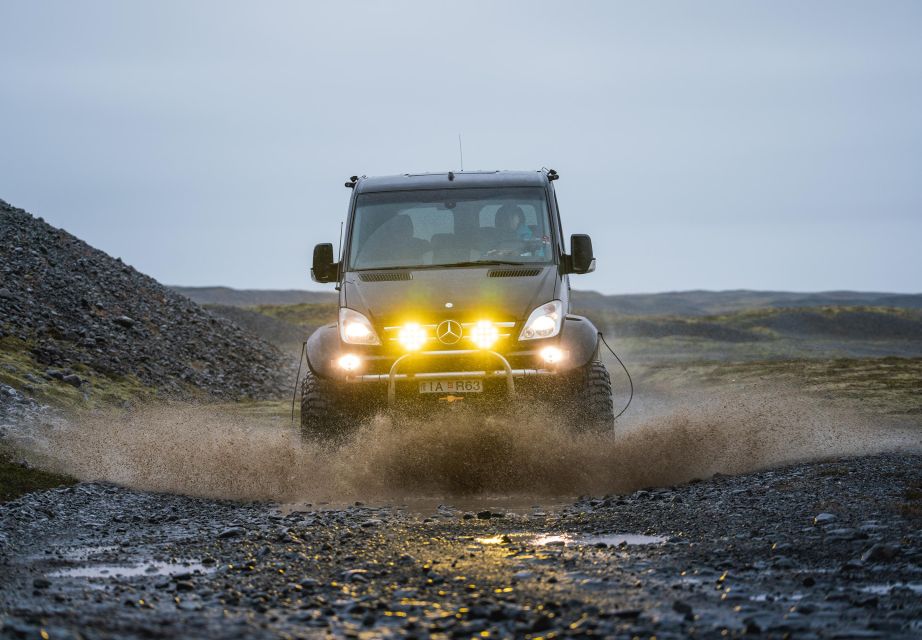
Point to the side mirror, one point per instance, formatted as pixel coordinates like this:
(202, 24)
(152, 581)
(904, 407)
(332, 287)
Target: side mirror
(324, 269)
(581, 258)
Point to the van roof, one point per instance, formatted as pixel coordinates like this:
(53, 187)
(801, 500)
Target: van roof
(461, 179)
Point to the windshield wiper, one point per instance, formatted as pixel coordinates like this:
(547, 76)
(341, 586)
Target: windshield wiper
(385, 268)
(470, 263)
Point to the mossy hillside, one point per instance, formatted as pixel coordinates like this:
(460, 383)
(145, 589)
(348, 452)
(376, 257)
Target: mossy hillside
(17, 478)
(762, 334)
(308, 314)
(881, 386)
(20, 370)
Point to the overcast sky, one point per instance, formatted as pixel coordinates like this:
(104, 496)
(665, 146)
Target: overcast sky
(703, 145)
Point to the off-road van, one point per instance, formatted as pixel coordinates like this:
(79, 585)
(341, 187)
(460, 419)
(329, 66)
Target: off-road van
(453, 288)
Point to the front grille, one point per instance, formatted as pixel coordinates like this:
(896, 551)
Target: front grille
(464, 341)
(513, 273)
(386, 276)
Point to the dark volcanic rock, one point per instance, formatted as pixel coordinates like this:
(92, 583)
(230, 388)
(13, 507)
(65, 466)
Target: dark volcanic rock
(249, 570)
(73, 306)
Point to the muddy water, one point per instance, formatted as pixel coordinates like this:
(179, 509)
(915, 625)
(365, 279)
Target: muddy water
(527, 456)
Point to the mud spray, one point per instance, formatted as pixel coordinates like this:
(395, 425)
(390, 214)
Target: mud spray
(221, 453)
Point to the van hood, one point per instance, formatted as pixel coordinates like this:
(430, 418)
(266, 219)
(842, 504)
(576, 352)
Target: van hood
(465, 294)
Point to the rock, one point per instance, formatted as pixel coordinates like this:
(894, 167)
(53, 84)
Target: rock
(682, 607)
(355, 575)
(6, 294)
(824, 518)
(372, 522)
(41, 583)
(72, 379)
(880, 553)
(231, 532)
(487, 515)
(124, 321)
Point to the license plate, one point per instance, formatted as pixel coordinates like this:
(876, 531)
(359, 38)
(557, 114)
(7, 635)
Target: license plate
(463, 385)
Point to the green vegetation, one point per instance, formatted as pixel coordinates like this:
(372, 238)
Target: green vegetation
(17, 479)
(884, 386)
(762, 334)
(20, 370)
(307, 314)
(260, 408)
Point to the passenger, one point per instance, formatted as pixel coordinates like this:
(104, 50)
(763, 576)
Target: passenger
(394, 244)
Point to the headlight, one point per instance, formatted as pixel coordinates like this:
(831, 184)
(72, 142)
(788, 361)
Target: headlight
(544, 322)
(484, 334)
(354, 328)
(411, 337)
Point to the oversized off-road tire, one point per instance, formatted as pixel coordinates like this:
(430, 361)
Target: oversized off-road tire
(592, 398)
(322, 416)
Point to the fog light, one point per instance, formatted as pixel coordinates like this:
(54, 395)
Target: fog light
(349, 362)
(412, 337)
(484, 334)
(551, 355)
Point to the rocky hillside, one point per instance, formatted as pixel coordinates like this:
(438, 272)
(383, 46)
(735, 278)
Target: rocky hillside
(284, 335)
(78, 315)
(228, 297)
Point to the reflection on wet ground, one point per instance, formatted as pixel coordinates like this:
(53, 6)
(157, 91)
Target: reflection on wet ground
(886, 589)
(125, 569)
(569, 539)
(148, 568)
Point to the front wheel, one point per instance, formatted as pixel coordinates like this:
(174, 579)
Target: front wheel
(592, 401)
(322, 415)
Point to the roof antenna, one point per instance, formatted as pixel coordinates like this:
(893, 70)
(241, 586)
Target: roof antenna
(461, 152)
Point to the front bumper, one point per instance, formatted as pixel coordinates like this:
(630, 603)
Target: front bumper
(395, 375)
(514, 366)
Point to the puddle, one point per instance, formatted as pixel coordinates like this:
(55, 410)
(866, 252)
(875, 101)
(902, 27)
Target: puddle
(85, 553)
(570, 539)
(885, 589)
(767, 597)
(151, 568)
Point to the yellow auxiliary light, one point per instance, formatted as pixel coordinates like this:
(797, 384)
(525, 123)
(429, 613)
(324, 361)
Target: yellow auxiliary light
(551, 355)
(484, 334)
(349, 362)
(412, 337)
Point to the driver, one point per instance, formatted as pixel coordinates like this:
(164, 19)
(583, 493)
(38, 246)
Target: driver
(510, 223)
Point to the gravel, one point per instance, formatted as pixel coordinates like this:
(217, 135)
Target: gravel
(732, 556)
(74, 306)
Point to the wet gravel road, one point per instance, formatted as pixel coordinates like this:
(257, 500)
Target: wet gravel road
(821, 550)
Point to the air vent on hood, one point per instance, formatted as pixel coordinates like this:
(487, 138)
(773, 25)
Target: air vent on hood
(513, 273)
(386, 276)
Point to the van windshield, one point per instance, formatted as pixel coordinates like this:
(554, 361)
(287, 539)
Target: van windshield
(450, 227)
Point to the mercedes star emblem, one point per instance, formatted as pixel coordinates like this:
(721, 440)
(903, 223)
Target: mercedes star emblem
(448, 331)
